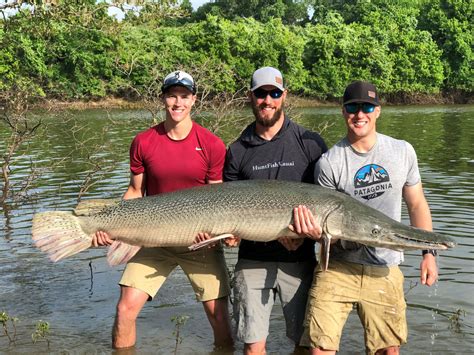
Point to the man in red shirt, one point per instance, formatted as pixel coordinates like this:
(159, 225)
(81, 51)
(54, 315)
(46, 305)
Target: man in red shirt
(175, 154)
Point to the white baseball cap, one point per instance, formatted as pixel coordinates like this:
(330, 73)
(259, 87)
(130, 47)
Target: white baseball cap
(179, 78)
(267, 76)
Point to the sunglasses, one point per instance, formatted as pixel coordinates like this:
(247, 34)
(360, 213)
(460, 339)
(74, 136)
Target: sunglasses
(262, 93)
(354, 108)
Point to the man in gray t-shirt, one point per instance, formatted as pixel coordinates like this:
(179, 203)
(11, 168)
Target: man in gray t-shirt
(379, 171)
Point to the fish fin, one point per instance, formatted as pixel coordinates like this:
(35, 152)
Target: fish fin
(209, 241)
(91, 207)
(59, 234)
(324, 251)
(120, 252)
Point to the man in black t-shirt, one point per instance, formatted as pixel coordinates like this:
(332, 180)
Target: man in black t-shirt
(272, 147)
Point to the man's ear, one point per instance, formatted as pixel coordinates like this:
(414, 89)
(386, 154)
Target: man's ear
(378, 110)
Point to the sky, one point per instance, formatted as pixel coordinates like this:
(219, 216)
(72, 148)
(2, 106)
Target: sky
(113, 11)
(197, 3)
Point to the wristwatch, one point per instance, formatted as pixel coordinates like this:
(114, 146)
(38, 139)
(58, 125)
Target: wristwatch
(429, 251)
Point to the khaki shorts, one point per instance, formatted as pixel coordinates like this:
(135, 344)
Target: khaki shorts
(256, 286)
(205, 268)
(376, 292)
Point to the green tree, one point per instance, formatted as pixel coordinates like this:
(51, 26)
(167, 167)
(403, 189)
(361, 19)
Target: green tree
(63, 51)
(451, 25)
(289, 11)
(246, 44)
(336, 54)
(396, 58)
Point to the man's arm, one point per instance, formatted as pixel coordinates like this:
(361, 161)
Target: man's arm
(420, 217)
(231, 167)
(214, 181)
(136, 189)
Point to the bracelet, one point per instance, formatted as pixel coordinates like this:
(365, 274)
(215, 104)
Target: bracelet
(429, 251)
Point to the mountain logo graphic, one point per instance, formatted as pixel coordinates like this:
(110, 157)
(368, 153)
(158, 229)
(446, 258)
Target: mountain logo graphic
(371, 181)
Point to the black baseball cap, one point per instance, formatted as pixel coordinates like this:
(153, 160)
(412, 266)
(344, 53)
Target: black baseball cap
(179, 78)
(361, 91)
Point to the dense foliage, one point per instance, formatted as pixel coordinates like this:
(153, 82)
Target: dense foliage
(79, 51)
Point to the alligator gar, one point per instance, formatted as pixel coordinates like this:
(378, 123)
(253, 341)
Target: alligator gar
(258, 210)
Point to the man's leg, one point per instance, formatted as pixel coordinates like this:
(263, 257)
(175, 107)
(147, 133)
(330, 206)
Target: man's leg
(217, 312)
(382, 309)
(141, 279)
(207, 272)
(318, 351)
(293, 283)
(330, 301)
(257, 348)
(129, 306)
(392, 350)
(254, 296)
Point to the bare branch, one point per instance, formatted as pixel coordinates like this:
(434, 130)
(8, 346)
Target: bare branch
(15, 104)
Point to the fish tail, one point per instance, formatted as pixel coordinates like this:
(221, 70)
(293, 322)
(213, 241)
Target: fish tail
(59, 234)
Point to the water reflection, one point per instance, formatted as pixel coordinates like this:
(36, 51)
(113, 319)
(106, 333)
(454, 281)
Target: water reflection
(78, 296)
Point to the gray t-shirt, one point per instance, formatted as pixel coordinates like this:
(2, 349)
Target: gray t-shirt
(375, 178)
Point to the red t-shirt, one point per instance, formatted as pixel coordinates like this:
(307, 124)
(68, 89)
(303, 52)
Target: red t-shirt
(172, 165)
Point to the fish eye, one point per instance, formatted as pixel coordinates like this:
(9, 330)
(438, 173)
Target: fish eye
(376, 230)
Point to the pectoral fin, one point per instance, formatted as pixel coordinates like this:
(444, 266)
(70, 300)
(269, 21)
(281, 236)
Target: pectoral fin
(120, 253)
(324, 251)
(209, 241)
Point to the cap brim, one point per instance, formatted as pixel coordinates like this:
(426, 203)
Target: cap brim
(190, 88)
(373, 102)
(280, 87)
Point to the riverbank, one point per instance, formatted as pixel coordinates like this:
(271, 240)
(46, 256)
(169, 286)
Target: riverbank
(293, 100)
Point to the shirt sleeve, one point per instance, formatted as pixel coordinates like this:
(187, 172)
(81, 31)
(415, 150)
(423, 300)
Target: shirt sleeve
(323, 173)
(136, 158)
(318, 148)
(413, 172)
(231, 168)
(216, 164)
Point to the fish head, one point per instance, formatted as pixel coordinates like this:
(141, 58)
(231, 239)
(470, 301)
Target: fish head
(373, 228)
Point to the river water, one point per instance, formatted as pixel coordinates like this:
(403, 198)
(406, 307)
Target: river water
(77, 296)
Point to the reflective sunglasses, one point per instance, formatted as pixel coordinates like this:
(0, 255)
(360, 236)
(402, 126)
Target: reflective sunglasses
(356, 107)
(262, 93)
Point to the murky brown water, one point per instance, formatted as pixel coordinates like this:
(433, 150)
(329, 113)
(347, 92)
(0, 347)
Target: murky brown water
(78, 296)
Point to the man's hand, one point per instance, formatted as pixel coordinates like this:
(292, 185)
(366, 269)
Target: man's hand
(305, 224)
(202, 237)
(232, 241)
(429, 270)
(291, 244)
(101, 238)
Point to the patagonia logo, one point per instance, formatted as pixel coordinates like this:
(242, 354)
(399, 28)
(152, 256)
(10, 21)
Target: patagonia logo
(371, 181)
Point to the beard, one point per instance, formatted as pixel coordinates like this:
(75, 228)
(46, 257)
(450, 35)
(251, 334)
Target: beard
(267, 122)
